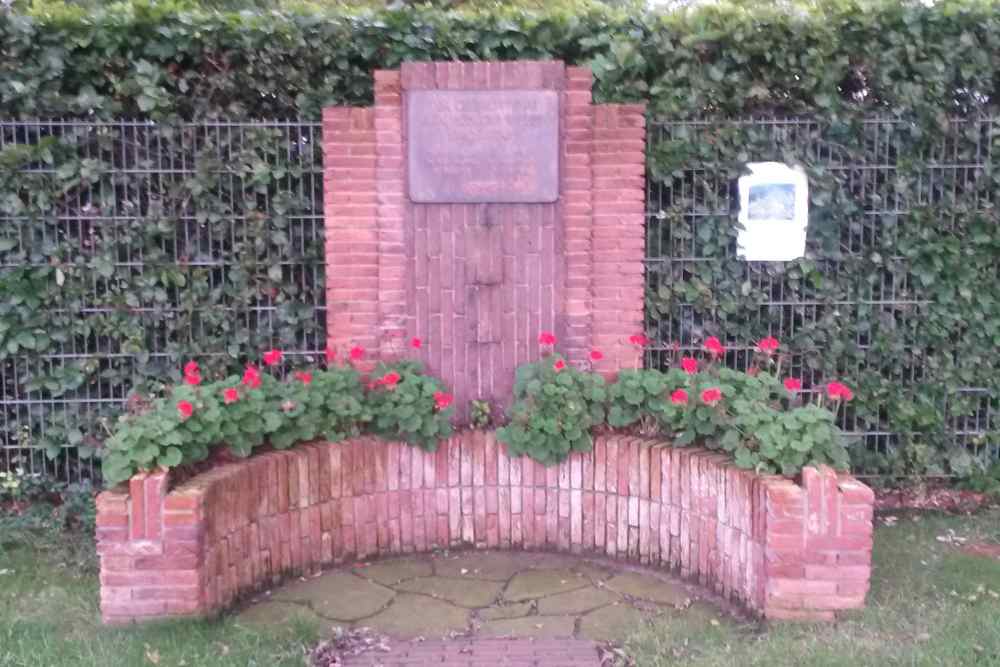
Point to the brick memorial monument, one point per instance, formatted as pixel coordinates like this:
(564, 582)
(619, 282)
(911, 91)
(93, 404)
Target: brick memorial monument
(474, 206)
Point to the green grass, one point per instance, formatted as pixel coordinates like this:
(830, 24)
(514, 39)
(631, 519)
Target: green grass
(930, 605)
(49, 617)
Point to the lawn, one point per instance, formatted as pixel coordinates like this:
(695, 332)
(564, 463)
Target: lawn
(930, 605)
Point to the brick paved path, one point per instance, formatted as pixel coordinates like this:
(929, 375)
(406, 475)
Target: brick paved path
(484, 653)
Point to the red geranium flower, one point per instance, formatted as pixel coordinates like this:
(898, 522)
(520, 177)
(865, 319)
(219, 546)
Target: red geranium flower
(679, 397)
(272, 357)
(639, 339)
(185, 408)
(767, 345)
(416, 343)
(251, 377)
(442, 400)
(546, 338)
(192, 379)
(305, 377)
(389, 380)
(230, 395)
(690, 365)
(793, 384)
(596, 355)
(838, 391)
(191, 368)
(331, 354)
(711, 396)
(713, 345)
(357, 353)
(558, 365)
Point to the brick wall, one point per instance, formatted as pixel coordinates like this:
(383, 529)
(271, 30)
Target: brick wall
(783, 550)
(478, 282)
(350, 203)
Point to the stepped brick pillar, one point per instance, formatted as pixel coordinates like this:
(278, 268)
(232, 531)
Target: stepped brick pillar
(476, 205)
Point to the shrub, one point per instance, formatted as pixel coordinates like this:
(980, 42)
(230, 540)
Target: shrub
(638, 398)
(763, 422)
(326, 404)
(409, 406)
(34, 502)
(239, 412)
(984, 480)
(245, 412)
(168, 58)
(760, 423)
(555, 407)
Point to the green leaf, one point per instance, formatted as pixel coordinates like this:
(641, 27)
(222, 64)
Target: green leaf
(730, 440)
(272, 422)
(170, 457)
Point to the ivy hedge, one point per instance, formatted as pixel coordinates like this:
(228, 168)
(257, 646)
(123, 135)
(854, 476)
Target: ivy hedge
(126, 247)
(898, 291)
(173, 59)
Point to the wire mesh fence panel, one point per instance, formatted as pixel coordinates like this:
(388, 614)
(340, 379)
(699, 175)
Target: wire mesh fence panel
(129, 247)
(895, 293)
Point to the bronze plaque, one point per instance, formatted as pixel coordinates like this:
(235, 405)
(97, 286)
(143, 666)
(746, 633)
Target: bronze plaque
(483, 146)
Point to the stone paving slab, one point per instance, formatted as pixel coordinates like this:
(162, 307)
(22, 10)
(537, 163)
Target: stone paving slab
(533, 584)
(433, 618)
(337, 595)
(489, 565)
(391, 571)
(533, 627)
(469, 593)
(644, 587)
(484, 652)
(579, 601)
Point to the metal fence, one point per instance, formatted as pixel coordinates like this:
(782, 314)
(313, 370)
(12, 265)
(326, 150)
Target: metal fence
(203, 238)
(880, 170)
(236, 203)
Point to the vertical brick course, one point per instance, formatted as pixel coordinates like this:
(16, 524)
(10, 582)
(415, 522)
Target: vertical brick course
(781, 549)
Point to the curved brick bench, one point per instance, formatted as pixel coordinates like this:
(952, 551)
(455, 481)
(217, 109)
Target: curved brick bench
(777, 548)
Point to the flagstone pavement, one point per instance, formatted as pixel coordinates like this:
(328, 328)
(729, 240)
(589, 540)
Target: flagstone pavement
(483, 607)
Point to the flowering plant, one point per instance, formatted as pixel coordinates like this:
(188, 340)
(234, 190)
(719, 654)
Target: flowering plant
(555, 406)
(638, 398)
(409, 406)
(240, 412)
(763, 421)
(243, 412)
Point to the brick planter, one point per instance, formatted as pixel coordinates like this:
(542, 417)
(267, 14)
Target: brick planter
(779, 549)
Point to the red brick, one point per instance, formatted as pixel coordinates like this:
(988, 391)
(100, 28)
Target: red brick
(111, 520)
(151, 578)
(838, 573)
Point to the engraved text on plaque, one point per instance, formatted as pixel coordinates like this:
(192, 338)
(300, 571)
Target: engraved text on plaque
(470, 146)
